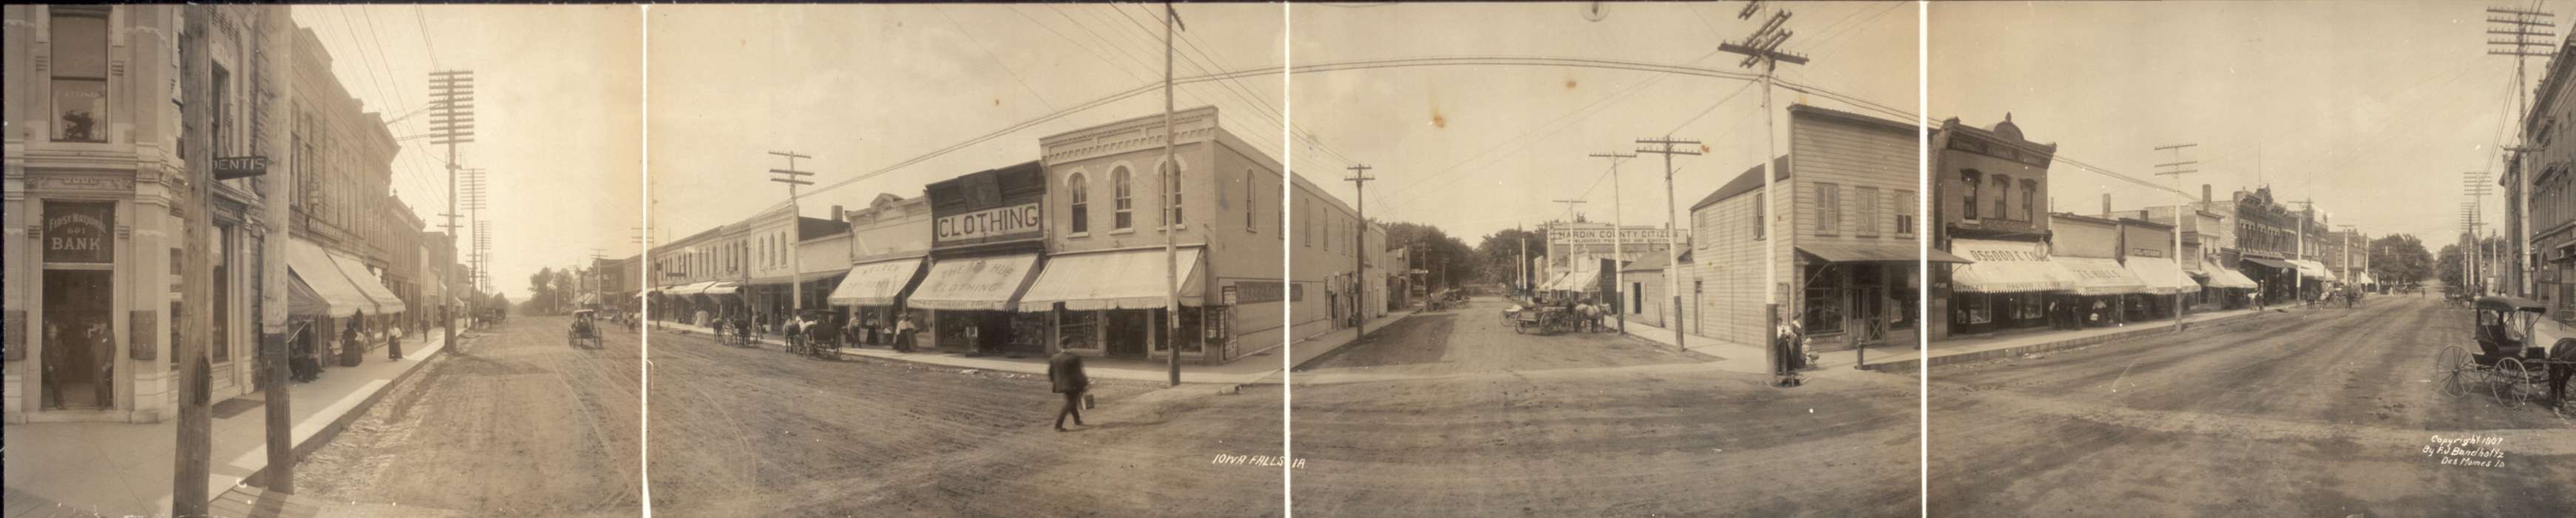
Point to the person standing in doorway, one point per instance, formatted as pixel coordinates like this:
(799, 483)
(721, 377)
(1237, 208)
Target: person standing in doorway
(1064, 370)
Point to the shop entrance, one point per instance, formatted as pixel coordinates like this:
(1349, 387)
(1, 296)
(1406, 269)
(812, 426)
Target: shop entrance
(1128, 332)
(80, 347)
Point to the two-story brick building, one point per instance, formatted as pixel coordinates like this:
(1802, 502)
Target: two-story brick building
(1990, 194)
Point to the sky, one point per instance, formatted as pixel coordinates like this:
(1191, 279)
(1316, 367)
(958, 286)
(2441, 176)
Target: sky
(2373, 110)
(558, 118)
(1469, 149)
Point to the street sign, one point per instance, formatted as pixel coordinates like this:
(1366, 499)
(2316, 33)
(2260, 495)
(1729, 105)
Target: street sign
(230, 167)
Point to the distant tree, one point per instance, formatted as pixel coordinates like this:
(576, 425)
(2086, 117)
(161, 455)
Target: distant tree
(1502, 252)
(541, 288)
(2449, 267)
(2399, 259)
(1435, 251)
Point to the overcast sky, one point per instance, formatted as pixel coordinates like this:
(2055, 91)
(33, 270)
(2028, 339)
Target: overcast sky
(558, 123)
(2372, 109)
(862, 88)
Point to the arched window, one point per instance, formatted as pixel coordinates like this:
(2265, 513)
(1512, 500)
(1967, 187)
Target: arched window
(1170, 177)
(1081, 201)
(1124, 213)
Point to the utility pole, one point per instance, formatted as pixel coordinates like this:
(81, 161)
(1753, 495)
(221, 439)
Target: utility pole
(2475, 185)
(795, 232)
(277, 228)
(1762, 48)
(2176, 169)
(1569, 259)
(1672, 238)
(196, 418)
(1618, 241)
(1359, 249)
(1524, 280)
(451, 122)
(2526, 34)
(1169, 173)
(2299, 282)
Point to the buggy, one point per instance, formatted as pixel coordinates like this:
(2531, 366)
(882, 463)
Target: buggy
(2514, 370)
(585, 330)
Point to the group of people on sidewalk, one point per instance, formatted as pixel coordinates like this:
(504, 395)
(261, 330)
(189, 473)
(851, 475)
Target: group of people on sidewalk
(802, 330)
(305, 349)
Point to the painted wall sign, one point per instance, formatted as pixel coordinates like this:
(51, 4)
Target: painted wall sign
(1603, 236)
(1256, 292)
(1023, 220)
(80, 232)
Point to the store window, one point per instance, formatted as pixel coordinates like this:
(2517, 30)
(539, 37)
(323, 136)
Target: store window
(1824, 301)
(1973, 309)
(80, 73)
(1077, 329)
(1081, 197)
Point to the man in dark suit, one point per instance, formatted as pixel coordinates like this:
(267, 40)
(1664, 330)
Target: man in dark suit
(1065, 371)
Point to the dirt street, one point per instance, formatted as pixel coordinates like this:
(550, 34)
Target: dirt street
(2319, 413)
(1503, 424)
(515, 423)
(757, 432)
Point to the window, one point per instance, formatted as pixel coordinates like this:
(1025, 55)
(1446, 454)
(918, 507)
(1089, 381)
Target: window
(1823, 304)
(1829, 209)
(1251, 198)
(1904, 213)
(1969, 182)
(2030, 200)
(2003, 196)
(1867, 211)
(1170, 177)
(1081, 204)
(1305, 224)
(80, 74)
(1758, 226)
(1124, 214)
(222, 106)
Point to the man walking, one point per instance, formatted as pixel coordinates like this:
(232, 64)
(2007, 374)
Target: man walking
(1065, 371)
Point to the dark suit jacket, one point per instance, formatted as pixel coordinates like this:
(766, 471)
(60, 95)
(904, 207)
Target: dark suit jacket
(1065, 370)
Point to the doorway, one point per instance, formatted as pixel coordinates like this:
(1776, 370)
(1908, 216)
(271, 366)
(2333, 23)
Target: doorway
(1127, 332)
(80, 344)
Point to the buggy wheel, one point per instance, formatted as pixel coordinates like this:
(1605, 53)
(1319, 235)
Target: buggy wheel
(2450, 371)
(2507, 380)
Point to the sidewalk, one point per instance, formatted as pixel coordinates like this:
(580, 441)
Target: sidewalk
(122, 469)
(1256, 368)
(1963, 350)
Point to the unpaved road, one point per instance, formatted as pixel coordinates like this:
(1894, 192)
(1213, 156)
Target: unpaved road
(757, 432)
(2313, 413)
(1501, 424)
(517, 423)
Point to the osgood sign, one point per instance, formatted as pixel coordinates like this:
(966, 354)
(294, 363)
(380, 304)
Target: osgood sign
(79, 232)
(1023, 220)
(1603, 236)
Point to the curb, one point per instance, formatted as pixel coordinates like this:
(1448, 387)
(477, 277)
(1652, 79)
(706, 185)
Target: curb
(329, 432)
(2052, 346)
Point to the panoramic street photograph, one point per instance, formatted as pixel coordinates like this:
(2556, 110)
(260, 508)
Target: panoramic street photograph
(279, 261)
(2219, 279)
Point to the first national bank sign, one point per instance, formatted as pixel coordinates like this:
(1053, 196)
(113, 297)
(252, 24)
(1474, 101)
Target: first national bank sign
(994, 224)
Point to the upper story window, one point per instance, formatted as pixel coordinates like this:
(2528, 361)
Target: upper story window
(1866, 211)
(2003, 197)
(1124, 192)
(1761, 225)
(1904, 213)
(80, 74)
(1969, 181)
(1081, 202)
(1170, 176)
(2030, 200)
(1829, 209)
(1251, 198)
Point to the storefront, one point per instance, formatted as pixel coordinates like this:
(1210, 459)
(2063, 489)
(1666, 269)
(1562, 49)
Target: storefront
(967, 303)
(1115, 303)
(2004, 286)
(873, 293)
(2102, 289)
(2165, 285)
(2315, 279)
(2274, 278)
(1861, 294)
(2227, 288)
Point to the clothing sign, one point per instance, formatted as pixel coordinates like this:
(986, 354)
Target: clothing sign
(79, 232)
(1023, 220)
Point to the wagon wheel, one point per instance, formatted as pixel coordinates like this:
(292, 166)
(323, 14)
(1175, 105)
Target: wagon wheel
(2506, 382)
(2450, 368)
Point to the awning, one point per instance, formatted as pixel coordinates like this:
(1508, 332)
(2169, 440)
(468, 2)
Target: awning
(2226, 278)
(1900, 252)
(356, 270)
(2005, 267)
(2363, 278)
(1128, 279)
(877, 283)
(991, 283)
(2276, 264)
(315, 271)
(2162, 275)
(2313, 269)
(720, 288)
(1575, 281)
(686, 289)
(2098, 276)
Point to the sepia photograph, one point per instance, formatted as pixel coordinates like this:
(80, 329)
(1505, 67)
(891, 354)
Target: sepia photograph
(2214, 273)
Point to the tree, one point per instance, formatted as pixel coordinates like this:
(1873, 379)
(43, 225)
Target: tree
(1502, 252)
(2399, 259)
(1435, 251)
(541, 288)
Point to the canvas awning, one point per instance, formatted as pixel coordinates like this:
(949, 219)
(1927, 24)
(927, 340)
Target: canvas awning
(2162, 275)
(316, 273)
(2226, 278)
(2005, 267)
(1897, 252)
(1575, 281)
(2363, 278)
(2276, 264)
(1126, 279)
(720, 288)
(686, 289)
(2313, 269)
(2099, 276)
(356, 270)
(877, 283)
(991, 283)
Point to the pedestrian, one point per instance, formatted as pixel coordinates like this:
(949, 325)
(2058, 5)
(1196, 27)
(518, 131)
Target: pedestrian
(795, 334)
(903, 331)
(872, 325)
(393, 343)
(1064, 370)
(349, 342)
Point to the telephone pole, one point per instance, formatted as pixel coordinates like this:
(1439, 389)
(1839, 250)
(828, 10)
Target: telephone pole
(1359, 250)
(795, 232)
(2475, 185)
(2525, 34)
(276, 234)
(1762, 48)
(1672, 231)
(2176, 169)
(1523, 237)
(451, 122)
(197, 117)
(1577, 215)
(1618, 241)
(1169, 174)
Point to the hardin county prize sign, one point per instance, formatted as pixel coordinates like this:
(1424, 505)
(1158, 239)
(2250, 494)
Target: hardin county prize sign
(994, 224)
(1604, 236)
